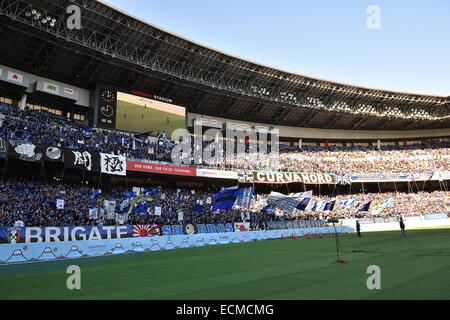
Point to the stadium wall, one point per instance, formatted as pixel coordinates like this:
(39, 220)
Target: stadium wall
(45, 251)
(411, 223)
(331, 134)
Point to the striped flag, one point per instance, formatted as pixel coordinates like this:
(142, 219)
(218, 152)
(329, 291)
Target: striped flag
(244, 198)
(287, 203)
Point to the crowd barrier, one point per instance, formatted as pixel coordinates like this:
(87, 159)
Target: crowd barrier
(44, 251)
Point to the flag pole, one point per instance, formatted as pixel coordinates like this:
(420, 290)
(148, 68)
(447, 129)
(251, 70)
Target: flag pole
(4, 168)
(99, 181)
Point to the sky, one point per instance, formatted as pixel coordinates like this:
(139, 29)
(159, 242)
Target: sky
(325, 39)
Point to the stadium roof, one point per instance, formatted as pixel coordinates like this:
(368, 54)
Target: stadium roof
(117, 48)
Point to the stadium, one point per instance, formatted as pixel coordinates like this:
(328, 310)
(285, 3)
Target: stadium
(93, 175)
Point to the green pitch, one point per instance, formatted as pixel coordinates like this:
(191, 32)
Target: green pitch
(140, 119)
(416, 267)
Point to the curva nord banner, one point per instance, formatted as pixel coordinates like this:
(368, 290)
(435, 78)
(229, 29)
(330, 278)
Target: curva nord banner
(293, 177)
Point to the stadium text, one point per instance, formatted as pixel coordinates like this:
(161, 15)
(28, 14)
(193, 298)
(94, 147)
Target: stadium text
(37, 234)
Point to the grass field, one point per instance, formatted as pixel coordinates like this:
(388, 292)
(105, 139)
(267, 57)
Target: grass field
(416, 267)
(152, 119)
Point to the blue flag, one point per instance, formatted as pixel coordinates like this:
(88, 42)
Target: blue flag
(267, 209)
(329, 206)
(366, 206)
(198, 208)
(303, 204)
(244, 198)
(225, 199)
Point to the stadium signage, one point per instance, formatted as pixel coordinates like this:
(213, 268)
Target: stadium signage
(292, 177)
(58, 234)
(78, 233)
(158, 168)
(171, 230)
(151, 96)
(41, 251)
(15, 77)
(51, 88)
(297, 224)
(69, 91)
(210, 173)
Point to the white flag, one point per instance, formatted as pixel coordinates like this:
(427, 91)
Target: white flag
(112, 164)
(93, 213)
(136, 189)
(60, 204)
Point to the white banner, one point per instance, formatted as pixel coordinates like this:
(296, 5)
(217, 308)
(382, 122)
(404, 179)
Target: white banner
(157, 211)
(112, 164)
(110, 207)
(60, 204)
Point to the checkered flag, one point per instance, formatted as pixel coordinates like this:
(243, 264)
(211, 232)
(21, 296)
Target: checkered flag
(339, 179)
(245, 176)
(287, 203)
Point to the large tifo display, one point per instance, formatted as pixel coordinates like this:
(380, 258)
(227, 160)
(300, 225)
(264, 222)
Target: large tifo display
(139, 112)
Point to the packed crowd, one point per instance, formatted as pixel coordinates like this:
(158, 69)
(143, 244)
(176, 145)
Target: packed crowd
(46, 128)
(408, 161)
(403, 204)
(35, 203)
